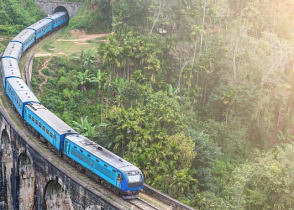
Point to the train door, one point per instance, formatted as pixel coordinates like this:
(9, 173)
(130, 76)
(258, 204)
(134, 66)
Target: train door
(54, 139)
(118, 180)
(67, 147)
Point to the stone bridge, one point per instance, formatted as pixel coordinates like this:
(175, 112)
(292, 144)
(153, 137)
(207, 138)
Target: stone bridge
(49, 6)
(32, 179)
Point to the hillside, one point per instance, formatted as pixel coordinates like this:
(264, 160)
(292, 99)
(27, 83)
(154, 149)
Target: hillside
(198, 94)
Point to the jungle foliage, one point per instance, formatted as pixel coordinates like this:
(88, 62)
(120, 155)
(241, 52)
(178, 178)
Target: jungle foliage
(93, 16)
(198, 94)
(18, 14)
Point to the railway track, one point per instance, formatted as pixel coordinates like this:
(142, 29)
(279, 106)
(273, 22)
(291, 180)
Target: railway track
(141, 204)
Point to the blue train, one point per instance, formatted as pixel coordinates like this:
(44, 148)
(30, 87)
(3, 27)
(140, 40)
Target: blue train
(115, 172)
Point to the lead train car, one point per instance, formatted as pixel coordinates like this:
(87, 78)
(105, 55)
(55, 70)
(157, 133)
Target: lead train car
(116, 171)
(52, 128)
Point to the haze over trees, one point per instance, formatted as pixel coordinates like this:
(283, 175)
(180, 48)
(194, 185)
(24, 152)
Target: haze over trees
(196, 93)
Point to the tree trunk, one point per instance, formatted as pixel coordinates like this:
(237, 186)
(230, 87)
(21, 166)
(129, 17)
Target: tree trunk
(203, 24)
(157, 17)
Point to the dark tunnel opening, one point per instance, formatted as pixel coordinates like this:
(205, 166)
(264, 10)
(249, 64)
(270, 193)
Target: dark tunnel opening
(61, 9)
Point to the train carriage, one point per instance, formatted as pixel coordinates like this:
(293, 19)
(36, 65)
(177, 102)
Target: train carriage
(41, 27)
(13, 50)
(116, 171)
(58, 19)
(19, 93)
(26, 38)
(52, 128)
(10, 69)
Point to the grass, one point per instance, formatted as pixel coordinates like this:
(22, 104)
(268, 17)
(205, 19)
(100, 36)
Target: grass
(54, 45)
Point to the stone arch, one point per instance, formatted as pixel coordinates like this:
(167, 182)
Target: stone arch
(5, 139)
(26, 185)
(6, 165)
(5, 147)
(61, 9)
(55, 197)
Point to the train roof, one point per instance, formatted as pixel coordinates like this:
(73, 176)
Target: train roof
(39, 24)
(56, 15)
(50, 118)
(13, 50)
(101, 152)
(24, 35)
(10, 68)
(22, 90)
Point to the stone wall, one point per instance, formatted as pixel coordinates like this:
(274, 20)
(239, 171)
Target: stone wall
(49, 7)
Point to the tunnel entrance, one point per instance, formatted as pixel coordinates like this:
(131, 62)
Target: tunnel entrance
(55, 197)
(61, 9)
(26, 185)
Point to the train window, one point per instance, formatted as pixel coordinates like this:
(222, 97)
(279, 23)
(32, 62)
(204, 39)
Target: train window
(33, 119)
(40, 125)
(97, 161)
(36, 121)
(51, 134)
(75, 147)
(54, 136)
(113, 170)
(105, 165)
(43, 128)
(47, 131)
(119, 177)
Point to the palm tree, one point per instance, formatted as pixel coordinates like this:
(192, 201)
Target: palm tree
(119, 83)
(84, 127)
(83, 78)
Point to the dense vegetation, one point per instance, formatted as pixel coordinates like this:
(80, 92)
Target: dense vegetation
(93, 17)
(17, 15)
(198, 94)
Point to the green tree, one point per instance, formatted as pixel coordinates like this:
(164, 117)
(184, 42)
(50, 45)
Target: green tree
(84, 127)
(266, 182)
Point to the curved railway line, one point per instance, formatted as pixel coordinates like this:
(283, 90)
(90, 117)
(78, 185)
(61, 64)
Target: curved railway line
(162, 201)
